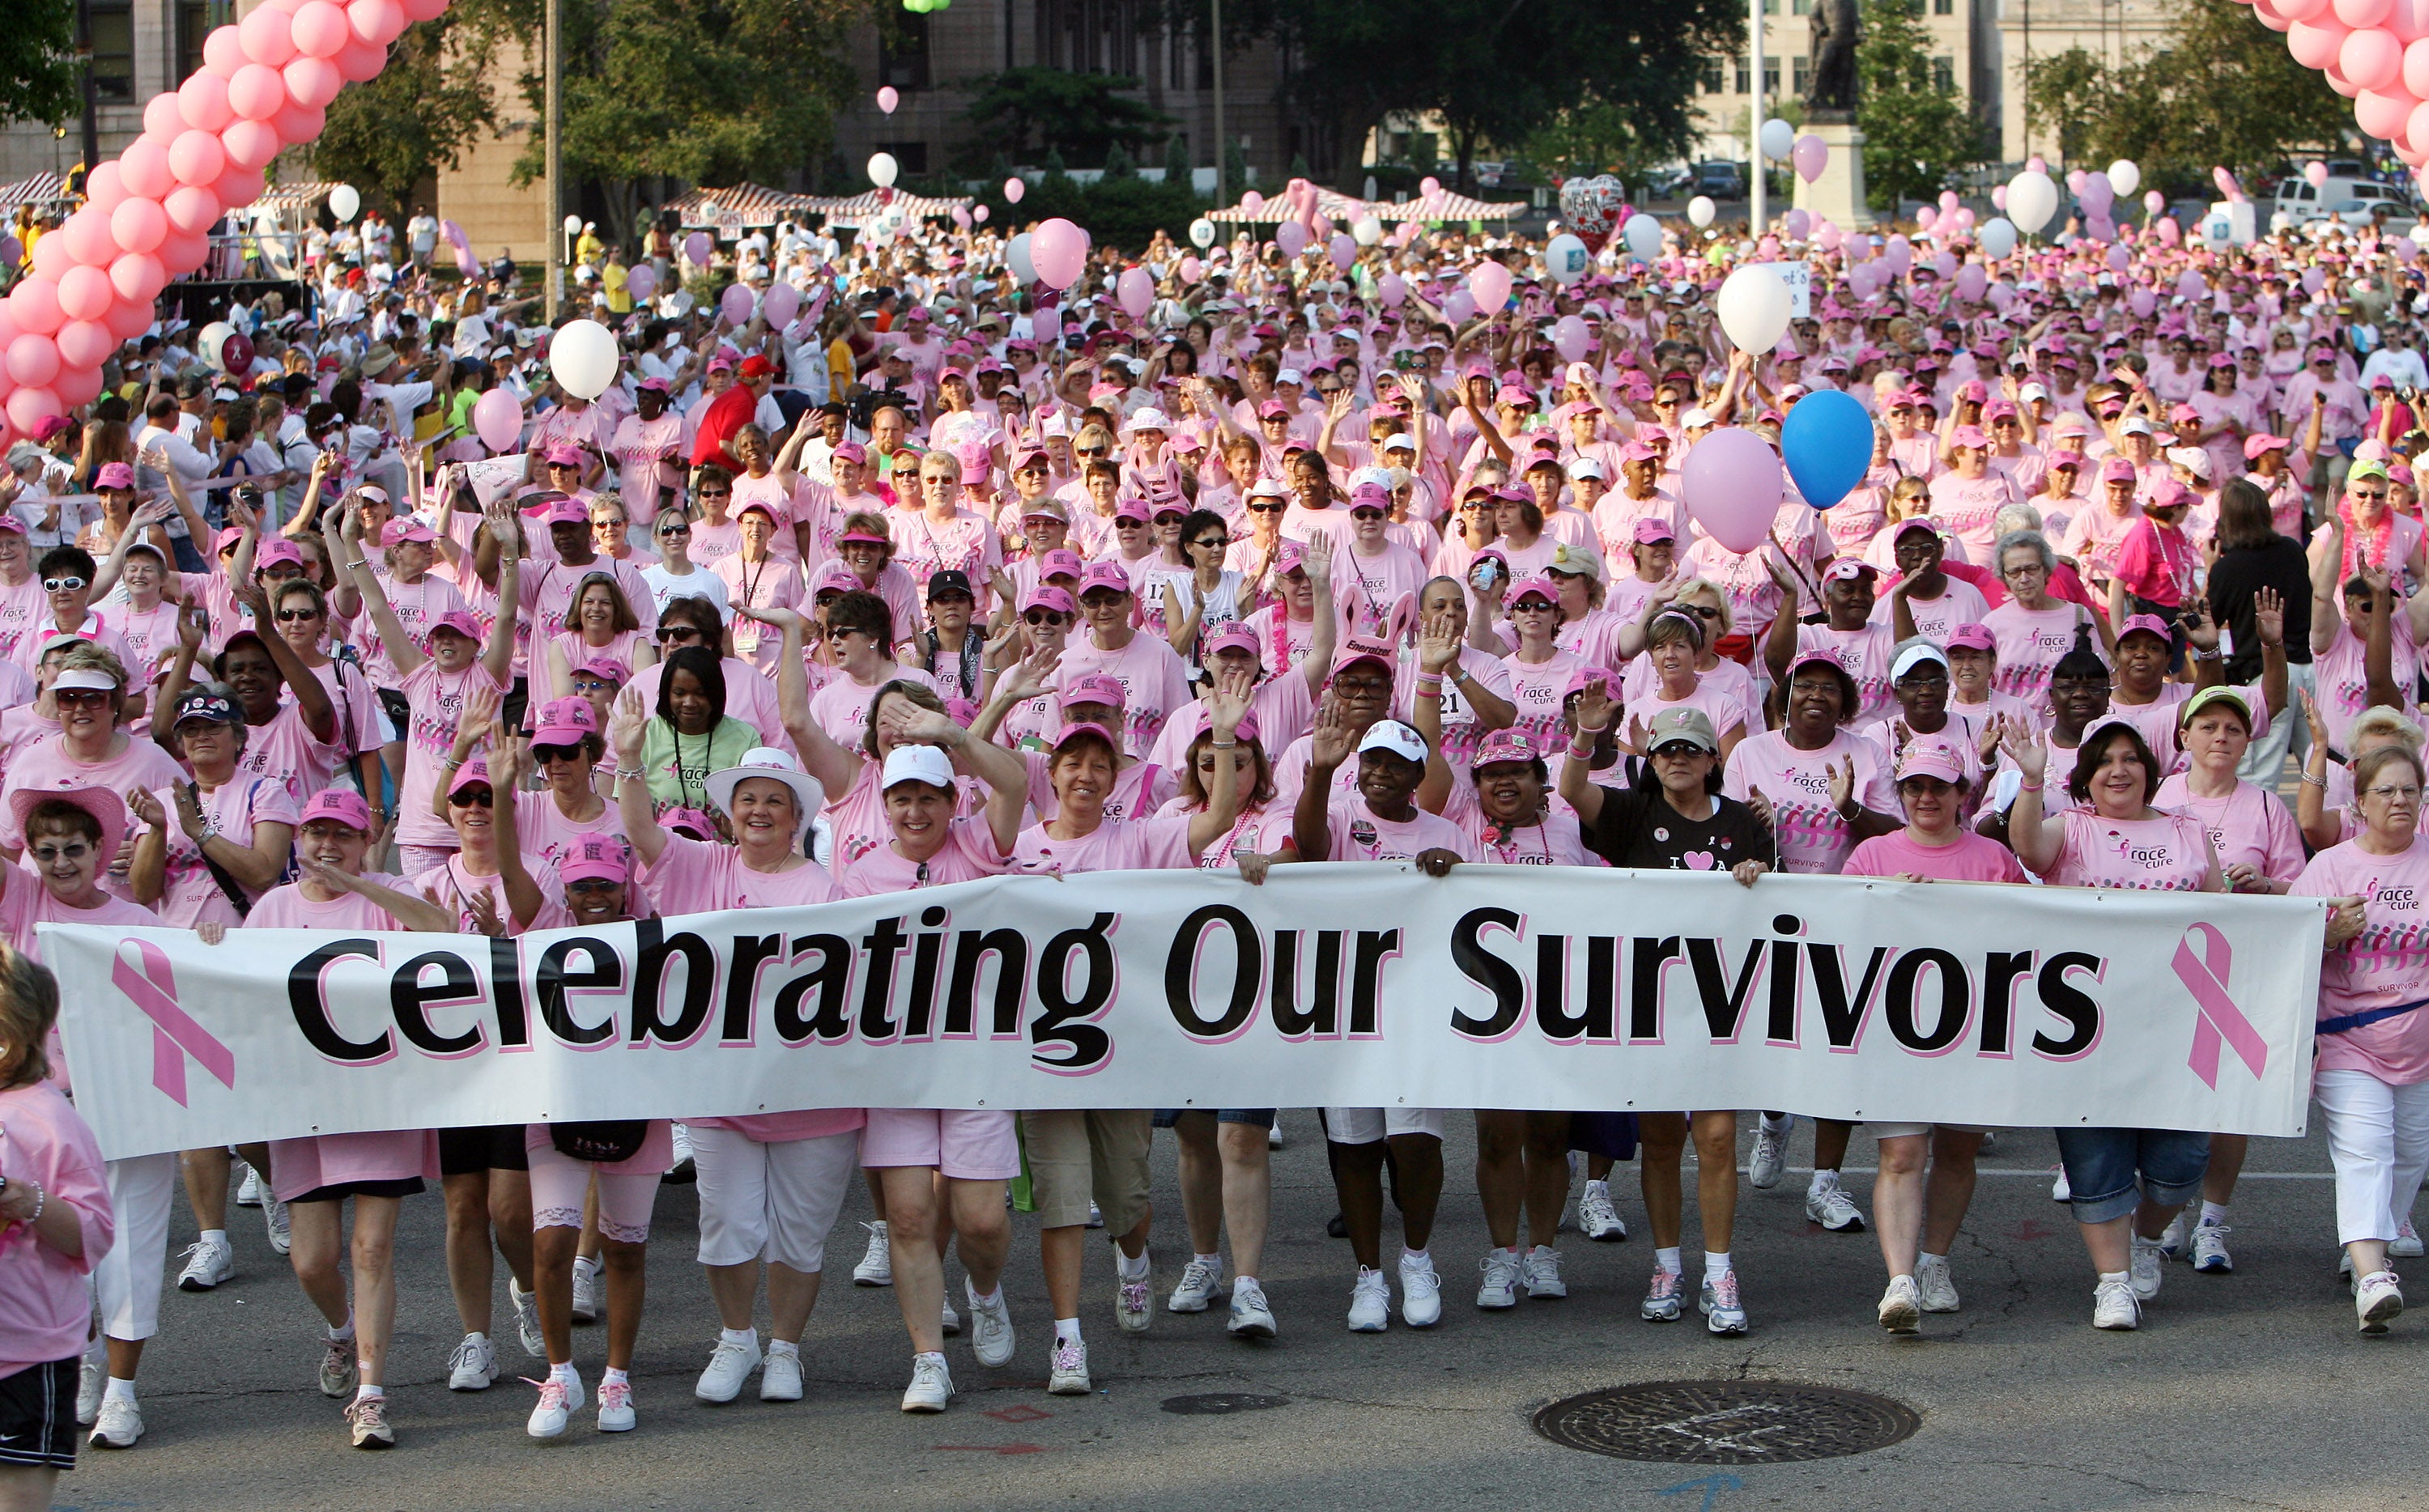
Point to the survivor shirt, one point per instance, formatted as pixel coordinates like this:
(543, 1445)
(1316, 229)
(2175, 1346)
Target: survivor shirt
(1637, 826)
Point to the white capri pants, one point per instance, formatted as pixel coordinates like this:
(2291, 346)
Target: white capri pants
(127, 1282)
(2378, 1138)
(559, 1183)
(770, 1202)
(1372, 1126)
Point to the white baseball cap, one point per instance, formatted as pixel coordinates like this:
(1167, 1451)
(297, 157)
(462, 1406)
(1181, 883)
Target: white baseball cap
(1395, 738)
(917, 764)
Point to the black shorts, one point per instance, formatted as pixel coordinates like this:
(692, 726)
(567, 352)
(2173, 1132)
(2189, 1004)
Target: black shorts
(398, 707)
(341, 1191)
(38, 1426)
(516, 700)
(493, 1148)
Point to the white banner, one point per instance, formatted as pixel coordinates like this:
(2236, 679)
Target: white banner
(1330, 985)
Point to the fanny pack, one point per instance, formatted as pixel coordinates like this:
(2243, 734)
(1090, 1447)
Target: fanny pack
(2347, 1023)
(604, 1142)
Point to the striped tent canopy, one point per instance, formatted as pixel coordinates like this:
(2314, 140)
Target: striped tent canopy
(744, 205)
(41, 190)
(288, 199)
(862, 207)
(1342, 210)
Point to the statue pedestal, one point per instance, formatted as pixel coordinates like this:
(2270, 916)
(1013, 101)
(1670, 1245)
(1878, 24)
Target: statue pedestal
(1839, 194)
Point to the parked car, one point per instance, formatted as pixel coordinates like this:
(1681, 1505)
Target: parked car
(1668, 183)
(1721, 181)
(2303, 203)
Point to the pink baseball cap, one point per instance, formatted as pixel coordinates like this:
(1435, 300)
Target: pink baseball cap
(594, 857)
(565, 722)
(558, 509)
(835, 578)
(1086, 727)
(603, 666)
(1848, 568)
(474, 773)
(564, 455)
(2148, 624)
(850, 452)
(1134, 509)
(1103, 575)
(1046, 596)
(1970, 435)
(276, 553)
(405, 528)
(458, 620)
(1926, 756)
(1508, 746)
(2117, 469)
(114, 475)
(1234, 635)
(339, 805)
(1653, 529)
(1371, 495)
(1975, 636)
(1358, 648)
(689, 823)
(1096, 688)
(2256, 444)
(1062, 562)
(1537, 587)
(2066, 459)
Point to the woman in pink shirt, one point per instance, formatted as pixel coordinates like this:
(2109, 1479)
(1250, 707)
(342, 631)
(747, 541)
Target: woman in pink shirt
(1967, 498)
(566, 747)
(90, 748)
(1539, 671)
(602, 624)
(2350, 675)
(315, 1175)
(1667, 676)
(859, 639)
(300, 612)
(2033, 628)
(294, 745)
(55, 1226)
(1917, 1218)
(2126, 1184)
(1821, 787)
(2370, 1072)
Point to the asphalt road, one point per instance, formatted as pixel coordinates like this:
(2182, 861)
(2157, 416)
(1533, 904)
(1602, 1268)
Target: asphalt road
(2246, 1390)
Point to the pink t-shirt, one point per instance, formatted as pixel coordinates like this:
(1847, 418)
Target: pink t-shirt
(2031, 644)
(2388, 964)
(710, 877)
(2249, 826)
(1536, 690)
(1863, 654)
(26, 903)
(437, 701)
(1967, 506)
(970, 853)
(286, 751)
(1154, 679)
(542, 829)
(2345, 692)
(1973, 859)
(452, 887)
(419, 605)
(46, 764)
(190, 895)
(45, 1302)
(1361, 834)
(2169, 854)
(1113, 846)
(1959, 603)
(1808, 831)
(841, 708)
(287, 908)
(771, 583)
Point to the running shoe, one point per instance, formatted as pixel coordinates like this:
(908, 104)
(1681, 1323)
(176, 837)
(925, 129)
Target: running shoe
(991, 1336)
(251, 1192)
(558, 1396)
(588, 1302)
(1370, 1302)
(93, 1379)
(1769, 1161)
(273, 1218)
(1597, 1218)
(2376, 1302)
(120, 1422)
(2148, 1268)
(1420, 1294)
(1901, 1308)
(470, 1367)
(209, 1262)
(1134, 1303)
(729, 1365)
(951, 1322)
(931, 1385)
(615, 1406)
(1660, 1303)
(1070, 1372)
(339, 1374)
(527, 1320)
(1251, 1316)
(2176, 1242)
(1543, 1274)
(2211, 1252)
(1724, 1312)
(876, 1268)
(2406, 1243)
(780, 1375)
(1201, 1285)
(2113, 1305)
(1833, 1210)
(366, 1423)
(1933, 1283)
(1502, 1269)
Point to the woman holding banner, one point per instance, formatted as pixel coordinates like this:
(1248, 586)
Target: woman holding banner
(2372, 1071)
(2126, 1184)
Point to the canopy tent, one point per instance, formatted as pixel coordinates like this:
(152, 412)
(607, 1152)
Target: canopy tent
(1341, 209)
(729, 211)
(283, 200)
(43, 192)
(863, 208)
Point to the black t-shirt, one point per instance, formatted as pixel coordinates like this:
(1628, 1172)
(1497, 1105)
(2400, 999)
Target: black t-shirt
(2233, 580)
(1638, 828)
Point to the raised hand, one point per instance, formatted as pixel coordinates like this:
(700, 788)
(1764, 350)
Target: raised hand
(1329, 740)
(1028, 676)
(2022, 745)
(626, 728)
(1438, 646)
(2268, 616)
(1842, 783)
(480, 712)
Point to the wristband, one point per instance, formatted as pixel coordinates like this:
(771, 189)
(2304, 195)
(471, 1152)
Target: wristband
(1582, 751)
(2028, 787)
(1224, 745)
(42, 1200)
(624, 774)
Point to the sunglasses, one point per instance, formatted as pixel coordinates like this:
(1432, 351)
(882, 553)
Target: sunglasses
(61, 585)
(557, 753)
(473, 798)
(593, 884)
(1269, 507)
(1366, 514)
(667, 633)
(79, 698)
(1089, 452)
(717, 493)
(674, 530)
(288, 616)
(1043, 617)
(1699, 610)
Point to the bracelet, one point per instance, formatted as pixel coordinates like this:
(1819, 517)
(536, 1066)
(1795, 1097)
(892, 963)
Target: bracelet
(451, 762)
(1430, 680)
(1232, 744)
(629, 774)
(42, 1200)
(2315, 781)
(2028, 787)
(1582, 751)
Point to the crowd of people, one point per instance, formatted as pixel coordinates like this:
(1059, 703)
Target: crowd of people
(947, 578)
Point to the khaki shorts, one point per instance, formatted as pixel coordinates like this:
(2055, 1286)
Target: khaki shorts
(1074, 1155)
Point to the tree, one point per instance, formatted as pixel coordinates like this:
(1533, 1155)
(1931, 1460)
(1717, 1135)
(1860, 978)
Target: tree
(1914, 130)
(38, 68)
(1598, 138)
(386, 135)
(2218, 88)
(1083, 116)
(1176, 158)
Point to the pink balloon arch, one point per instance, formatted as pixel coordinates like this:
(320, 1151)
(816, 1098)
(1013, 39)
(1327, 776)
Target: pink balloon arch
(265, 83)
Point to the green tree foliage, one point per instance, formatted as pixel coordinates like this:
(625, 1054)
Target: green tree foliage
(1914, 131)
(2218, 88)
(1118, 212)
(38, 68)
(1081, 116)
(388, 135)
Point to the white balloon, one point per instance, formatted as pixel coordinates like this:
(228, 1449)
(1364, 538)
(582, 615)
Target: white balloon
(1201, 233)
(1754, 309)
(1778, 138)
(882, 169)
(1367, 230)
(582, 358)
(345, 202)
(1566, 259)
(2032, 199)
(1016, 255)
(208, 343)
(1701, 209)
(1642, 235)
(2123, 176)
(1998, 238)
(574, 225)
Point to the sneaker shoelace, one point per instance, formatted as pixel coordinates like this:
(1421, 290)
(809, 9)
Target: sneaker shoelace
(552, 1393)
(613, 1394)
(1724, 1290)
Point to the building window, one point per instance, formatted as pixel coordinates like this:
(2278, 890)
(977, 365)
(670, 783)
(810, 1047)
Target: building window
(1801, 8)
(1944, 8)
(1745, 79)
(1771, 8)
(1800, 71)
(1712, 78)
(1770, 76)
(911, 156)
(1943, 74)
(114, 51)
(195, 19)
(902, 55)
(1176, 61)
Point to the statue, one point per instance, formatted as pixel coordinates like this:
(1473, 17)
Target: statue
(1831, 94)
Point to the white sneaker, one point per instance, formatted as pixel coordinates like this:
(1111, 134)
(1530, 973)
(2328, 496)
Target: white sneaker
(683, 1169)
(949, 1321)
(2148, 1268)
(1420, 1294)
(2406, 1243)
(1833, 1210)
(212, 1262)
(92, 1380)
(1502, 1269)
(1724, 1306)
(990, 1325)
(558, 1396)
(2376, 1302)
(931, 1385)
(273, 1218)
(615, 1406)
(1274, 1135)
(1770, 1158)
(1370, 1302)
(2113, 1305)
(1095, 1218)
(2209, 1249)
(1901, 1310)
(120, 1422)
(1200, 1285)
(1597, 1218)
(587, 1303)
(1069, 1374)
(780, 1375)
(471, 1366)
(1543, 1274)
(876, 1268)
(1134, 1302)
(1252, 1317)
(729, 1365)
(2059, 1190)
(340, 1372)
(251, 1192)
(2175, 1243)
(1934, 1285)
(527, 1320)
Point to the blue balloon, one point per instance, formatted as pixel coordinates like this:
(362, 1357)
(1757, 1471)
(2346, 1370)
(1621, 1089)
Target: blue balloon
(1827, 444)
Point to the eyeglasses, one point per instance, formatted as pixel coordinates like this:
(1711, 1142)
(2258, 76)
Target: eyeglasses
(2030, 569)
(80, 697)
(717, 493)
(1367, 513)
(667, 633)
(1268, 507)
(74, 850)
(289, 617)
(1363, 684)
(593, 884)
(1089, 450)
(1212, 543)
(588, 686)
(2393, 795)
(72, 584)
(473, 798)
(1043, 617)
(674, 530)
(1701, 609)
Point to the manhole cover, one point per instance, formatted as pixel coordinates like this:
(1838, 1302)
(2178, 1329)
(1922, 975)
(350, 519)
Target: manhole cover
(1216, 1403)
(1726, 1422)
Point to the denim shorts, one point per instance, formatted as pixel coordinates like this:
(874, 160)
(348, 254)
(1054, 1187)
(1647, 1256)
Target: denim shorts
(1261, 1117)
(2102, 1166)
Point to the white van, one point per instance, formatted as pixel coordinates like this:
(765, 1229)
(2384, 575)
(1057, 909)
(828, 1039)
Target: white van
(2300, 203)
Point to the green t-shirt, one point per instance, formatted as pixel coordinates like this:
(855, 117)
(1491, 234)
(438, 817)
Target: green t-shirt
(678, 764)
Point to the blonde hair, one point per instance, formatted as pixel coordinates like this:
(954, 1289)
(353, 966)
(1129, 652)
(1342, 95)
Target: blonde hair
(1694, 585)
(2383, 721)
(29, 1005)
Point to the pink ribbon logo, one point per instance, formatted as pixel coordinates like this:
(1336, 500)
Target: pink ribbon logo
(174, 1033)
(2205, 975)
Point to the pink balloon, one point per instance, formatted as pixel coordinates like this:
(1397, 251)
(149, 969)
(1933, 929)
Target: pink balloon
(1345, 251)
(2361, 13)
(1136, 292)
(138, 225)
(2074, 180)
(313, 81)
(2372, 60)
(376, 21)
(1926, 217)
(497, 419)
(139, 277)
(1809, 156)
(250, 143)
(104, 187)
(28, 407)
(1490, 283)
(1191, 269)
(1392, 289)
(203, 102)
(240, 186)
(2337, 81)
(2381, 114)
(697, 248)
(777, 306)
(33, 360)
(1291, 237)
(2154, 202)
(423, 9)
(2037, 164)
(77, 385)
(1459, 306)
(1732, 484)
(85, 293)
(2272, 16)
(257, 91)
(1059, 252)
(299, 121)
(183, 254)
(223, 51)
(130, 319)
(88, 240)
(2315, 44)
(197, 157)
(888, 99)
(979, 213)
(641, 281)
(85, 344)
(1429, 187)
(734, 303)
(268, 37)
(162, 118)
(1253, 201)
(358, 61)
(1571, 338)
(1796, 223)
(1999, 196)
(1948, 200)
(51, 260)
(320, 29)
(1013, 188)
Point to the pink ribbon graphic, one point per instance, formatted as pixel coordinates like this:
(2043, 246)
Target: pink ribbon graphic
(2205, 975)
(174, 1033)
